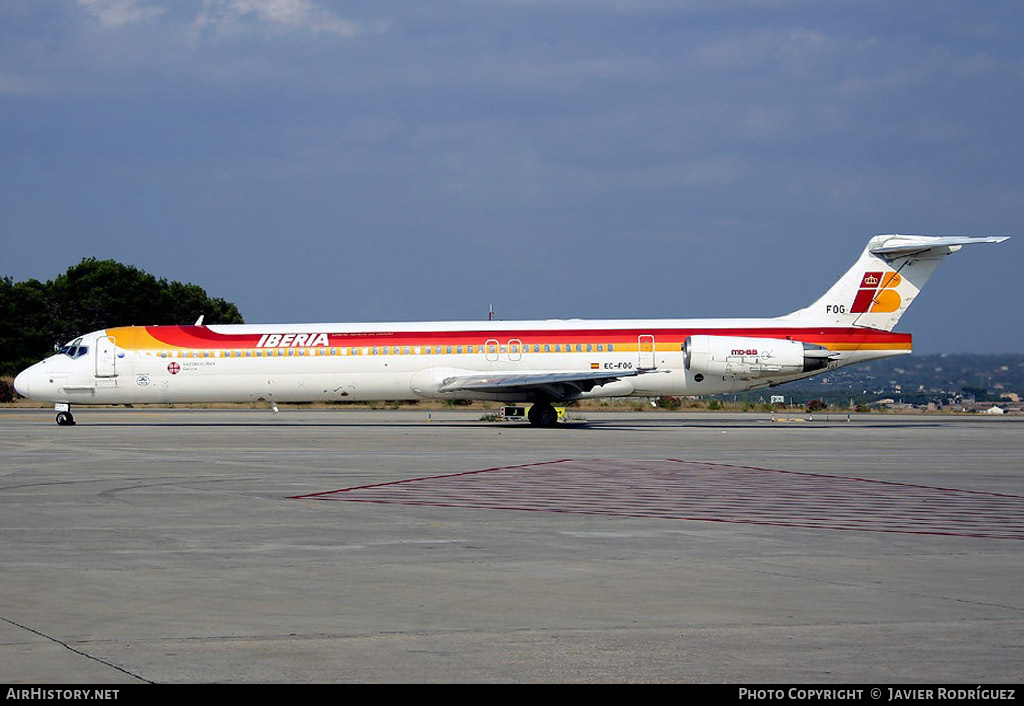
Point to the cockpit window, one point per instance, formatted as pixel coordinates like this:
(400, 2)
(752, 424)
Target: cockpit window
(75, 349)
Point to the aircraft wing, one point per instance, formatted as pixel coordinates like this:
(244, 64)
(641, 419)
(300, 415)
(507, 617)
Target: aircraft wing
(558, 385)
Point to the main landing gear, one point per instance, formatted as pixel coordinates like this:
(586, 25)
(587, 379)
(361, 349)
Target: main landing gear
(542, 414)
(64, 416)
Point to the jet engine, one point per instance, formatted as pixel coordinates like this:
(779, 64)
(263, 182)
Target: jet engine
(744, 358)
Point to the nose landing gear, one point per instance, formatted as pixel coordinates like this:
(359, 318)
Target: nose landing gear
(64, 416)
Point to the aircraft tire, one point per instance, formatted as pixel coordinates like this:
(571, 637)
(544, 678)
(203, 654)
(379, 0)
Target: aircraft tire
(542, 415)
(65, 419)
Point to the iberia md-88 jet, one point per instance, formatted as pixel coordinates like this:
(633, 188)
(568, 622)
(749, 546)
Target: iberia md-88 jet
(538, 362)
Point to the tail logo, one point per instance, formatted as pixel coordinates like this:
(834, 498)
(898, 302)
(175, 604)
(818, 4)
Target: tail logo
(877, 293)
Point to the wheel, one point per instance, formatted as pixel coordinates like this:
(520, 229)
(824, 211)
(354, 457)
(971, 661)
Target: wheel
(542, 415)
(65, 419)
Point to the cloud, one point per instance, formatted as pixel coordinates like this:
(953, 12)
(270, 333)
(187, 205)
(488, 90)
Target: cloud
(719, 170)
(240, 16)
(115, 13)
(18, 85)
(788, 51)
(229, 16)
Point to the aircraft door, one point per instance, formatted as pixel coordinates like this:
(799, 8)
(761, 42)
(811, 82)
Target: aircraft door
(106, 357)
(646, 349)
(491, 346)
(515, 350)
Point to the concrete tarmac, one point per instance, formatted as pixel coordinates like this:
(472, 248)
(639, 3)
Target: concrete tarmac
(244, 546)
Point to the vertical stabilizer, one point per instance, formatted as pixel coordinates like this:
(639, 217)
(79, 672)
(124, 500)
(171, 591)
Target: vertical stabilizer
(885, 280)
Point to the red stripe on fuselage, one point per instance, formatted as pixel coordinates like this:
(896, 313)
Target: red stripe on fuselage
(201, 337)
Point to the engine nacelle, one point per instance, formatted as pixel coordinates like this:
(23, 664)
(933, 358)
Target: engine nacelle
(744, 358)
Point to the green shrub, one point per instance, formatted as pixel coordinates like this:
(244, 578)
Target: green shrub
(669, 402)
(7, 393)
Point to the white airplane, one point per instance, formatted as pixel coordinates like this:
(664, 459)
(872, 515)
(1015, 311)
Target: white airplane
(542, 362)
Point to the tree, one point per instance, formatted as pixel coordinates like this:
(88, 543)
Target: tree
(26, 331)
(817, 405)
(94, 294)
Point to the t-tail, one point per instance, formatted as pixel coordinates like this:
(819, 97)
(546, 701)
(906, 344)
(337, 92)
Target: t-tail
(885, 280)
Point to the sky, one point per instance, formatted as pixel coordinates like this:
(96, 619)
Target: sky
(312, 160)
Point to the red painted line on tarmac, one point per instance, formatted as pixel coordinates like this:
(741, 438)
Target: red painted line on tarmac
(424, 478)
(853, 478)
(674, 489)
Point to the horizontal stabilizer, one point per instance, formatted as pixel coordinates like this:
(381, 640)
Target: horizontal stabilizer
(900, 245)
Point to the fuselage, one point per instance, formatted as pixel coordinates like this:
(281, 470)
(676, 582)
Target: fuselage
(542, 362)
(366, 361)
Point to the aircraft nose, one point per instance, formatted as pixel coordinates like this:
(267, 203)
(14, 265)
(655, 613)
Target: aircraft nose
(21, 385)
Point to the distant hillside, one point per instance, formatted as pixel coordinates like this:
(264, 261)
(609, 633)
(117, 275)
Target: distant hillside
(915, 379)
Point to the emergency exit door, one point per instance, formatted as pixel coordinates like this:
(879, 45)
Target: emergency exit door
(646, 348)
